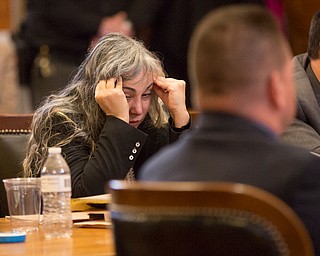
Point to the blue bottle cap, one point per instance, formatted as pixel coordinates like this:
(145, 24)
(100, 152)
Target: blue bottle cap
(8, 237)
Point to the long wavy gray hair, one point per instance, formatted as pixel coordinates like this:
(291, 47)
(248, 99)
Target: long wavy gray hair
(75, 106)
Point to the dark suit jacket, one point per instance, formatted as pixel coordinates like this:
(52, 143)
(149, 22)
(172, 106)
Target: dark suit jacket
(305, 129)
(229, 148)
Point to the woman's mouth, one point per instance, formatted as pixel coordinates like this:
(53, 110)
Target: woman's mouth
(134, 122)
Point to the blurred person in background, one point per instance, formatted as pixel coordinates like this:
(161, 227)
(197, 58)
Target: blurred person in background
(305, 129)
(54, 38)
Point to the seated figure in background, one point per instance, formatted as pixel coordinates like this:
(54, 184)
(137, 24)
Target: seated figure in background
(240, 65)
(305, 129)
(111, 117)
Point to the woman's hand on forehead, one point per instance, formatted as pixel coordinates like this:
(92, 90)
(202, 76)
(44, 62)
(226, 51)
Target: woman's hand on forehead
(111, 98)
(172, 93)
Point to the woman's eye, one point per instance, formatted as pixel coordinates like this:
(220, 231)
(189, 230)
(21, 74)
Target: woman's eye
(146, 95)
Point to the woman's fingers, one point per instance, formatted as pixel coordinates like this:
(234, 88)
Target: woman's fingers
(110, 83)
(119, 83)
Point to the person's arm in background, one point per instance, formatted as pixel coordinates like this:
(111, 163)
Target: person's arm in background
(302, 134)
(304, 131)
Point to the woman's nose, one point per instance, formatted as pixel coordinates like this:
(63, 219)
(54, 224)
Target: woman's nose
(136, 107)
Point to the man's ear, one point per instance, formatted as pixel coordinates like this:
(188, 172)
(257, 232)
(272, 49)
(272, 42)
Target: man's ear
(276, 91)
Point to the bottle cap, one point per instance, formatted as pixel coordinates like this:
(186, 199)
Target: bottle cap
(54, 150)
(7, 237)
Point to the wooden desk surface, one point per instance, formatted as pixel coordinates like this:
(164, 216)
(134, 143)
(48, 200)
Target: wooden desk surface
(85, 241)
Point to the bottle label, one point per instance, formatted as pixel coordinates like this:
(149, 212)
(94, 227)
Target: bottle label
(59, 183)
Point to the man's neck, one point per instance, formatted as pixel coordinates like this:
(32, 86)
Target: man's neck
(257, 110)
(315, 65)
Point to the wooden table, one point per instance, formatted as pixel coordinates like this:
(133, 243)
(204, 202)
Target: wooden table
(85, 241)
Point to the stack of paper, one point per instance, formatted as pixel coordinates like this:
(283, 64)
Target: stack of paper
(91, 212)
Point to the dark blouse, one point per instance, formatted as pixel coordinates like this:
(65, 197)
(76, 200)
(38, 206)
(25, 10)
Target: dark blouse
(120, 147)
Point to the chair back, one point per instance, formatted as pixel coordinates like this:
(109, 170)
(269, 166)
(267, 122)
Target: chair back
(194, 218)
(194, 114)
(14, 135)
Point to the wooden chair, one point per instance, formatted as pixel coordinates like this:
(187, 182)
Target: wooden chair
(14, 134)
(15, 123)
(194, 218)
(194, 114)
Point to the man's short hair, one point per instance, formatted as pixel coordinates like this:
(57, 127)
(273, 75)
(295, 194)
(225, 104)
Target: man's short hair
(235, 46)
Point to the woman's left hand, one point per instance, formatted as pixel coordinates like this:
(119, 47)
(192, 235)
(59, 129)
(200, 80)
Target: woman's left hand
(172, 93)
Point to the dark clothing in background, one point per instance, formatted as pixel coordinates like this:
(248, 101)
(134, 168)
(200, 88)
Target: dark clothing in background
(166, 26)
(67, 28)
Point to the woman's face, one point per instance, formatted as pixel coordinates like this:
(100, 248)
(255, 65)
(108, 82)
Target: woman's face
(139, 93)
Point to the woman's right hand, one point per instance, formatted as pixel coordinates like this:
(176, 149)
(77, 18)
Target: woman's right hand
(111, 98)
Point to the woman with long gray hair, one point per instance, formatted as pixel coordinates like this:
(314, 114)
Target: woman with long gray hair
(118, 110)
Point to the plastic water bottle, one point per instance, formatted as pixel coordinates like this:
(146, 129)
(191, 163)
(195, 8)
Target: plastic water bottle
(56, 196)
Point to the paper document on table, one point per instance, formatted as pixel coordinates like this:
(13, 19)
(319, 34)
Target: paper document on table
(93, 224)
(100, 198)
(90, 202)
(90, 216)
(92, 219)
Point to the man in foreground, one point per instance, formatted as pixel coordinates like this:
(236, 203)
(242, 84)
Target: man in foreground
(240, 65)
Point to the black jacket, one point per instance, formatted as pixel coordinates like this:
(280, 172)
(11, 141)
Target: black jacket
(229, 148)
(119, 148)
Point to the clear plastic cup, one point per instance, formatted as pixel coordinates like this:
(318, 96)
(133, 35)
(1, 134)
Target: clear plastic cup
(24, 203)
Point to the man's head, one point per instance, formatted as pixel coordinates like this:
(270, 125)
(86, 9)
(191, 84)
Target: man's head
(239, 61)
(314, 37)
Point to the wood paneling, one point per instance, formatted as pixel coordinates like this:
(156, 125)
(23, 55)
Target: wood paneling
(5, 14)
(299, 14)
